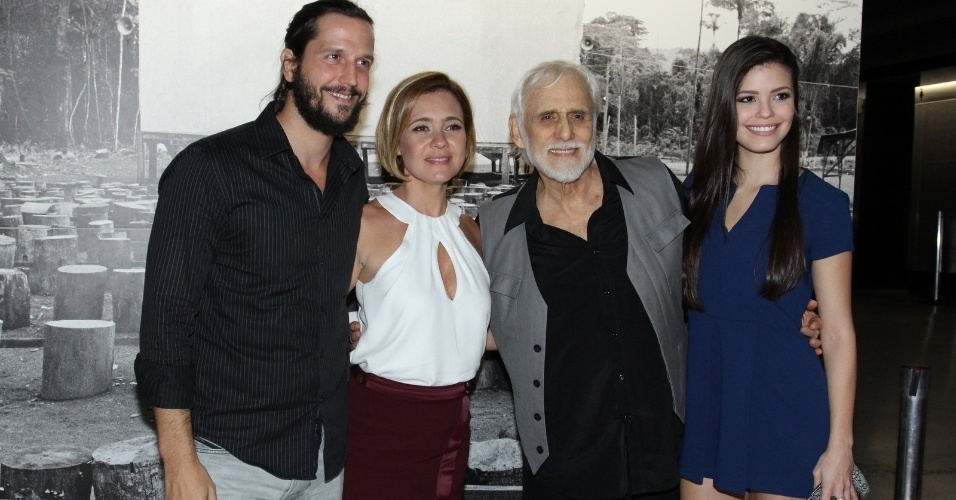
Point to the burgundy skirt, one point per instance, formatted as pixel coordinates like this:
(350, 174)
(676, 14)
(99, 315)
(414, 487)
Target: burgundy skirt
(405, 441)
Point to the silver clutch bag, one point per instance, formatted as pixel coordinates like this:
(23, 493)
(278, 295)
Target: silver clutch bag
(859, 483)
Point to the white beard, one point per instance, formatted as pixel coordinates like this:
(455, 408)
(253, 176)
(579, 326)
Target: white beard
(564, 171)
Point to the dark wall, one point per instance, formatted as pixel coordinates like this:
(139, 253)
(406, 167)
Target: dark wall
(899, 40)
(883, 177)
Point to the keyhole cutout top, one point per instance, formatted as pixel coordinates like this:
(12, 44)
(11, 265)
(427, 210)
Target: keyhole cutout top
(447, 269)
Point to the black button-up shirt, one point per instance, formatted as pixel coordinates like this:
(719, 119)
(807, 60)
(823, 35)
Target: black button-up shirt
(611, 429)
(244, 313)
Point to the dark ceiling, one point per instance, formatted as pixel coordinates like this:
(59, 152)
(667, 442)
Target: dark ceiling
(907, 36)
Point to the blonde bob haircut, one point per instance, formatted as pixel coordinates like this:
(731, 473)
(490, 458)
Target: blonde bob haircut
(398, 106)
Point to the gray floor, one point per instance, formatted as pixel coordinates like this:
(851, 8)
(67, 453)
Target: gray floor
(894, 330)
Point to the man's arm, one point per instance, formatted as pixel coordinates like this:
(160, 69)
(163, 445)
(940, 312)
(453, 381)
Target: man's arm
(179, 258)
(185, 478)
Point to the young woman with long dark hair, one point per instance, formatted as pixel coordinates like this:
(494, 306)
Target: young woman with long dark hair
(764, 418)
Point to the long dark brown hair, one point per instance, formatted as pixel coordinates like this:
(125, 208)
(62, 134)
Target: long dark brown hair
(715, 168)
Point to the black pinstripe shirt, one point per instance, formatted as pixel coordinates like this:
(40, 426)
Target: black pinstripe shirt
(244, 315)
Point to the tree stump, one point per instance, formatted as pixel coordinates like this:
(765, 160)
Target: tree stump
(114, 253)
(9, 223)
(30, 209)
(128, 469)
(492, 374)
(126, 286)
(11, 208)
(89, 212)
(14, 299)
(125, 212)
(79, 292)
(77, 358)
(58, 230)
(494, 462)
(8, 252)
(69, 192)
(89, 236)
(51, 220)
(25, 236)
(138, 234)
(44, 473)
(52, 252)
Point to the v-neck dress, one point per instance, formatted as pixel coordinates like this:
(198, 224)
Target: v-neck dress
(757, 409)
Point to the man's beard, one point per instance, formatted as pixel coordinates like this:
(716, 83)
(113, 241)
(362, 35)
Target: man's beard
(563, 170)
(309, 102)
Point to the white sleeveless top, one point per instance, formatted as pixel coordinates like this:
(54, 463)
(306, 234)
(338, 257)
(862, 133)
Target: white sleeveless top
(413, 332)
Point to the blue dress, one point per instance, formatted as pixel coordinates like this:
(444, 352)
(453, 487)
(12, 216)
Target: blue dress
(757, 411)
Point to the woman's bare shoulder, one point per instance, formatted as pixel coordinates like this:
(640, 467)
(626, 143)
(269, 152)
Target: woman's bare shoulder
(471, 230)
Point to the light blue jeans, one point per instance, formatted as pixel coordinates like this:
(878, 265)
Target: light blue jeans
(237, 480)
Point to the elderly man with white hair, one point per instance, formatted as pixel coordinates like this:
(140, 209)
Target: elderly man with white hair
(585, 267)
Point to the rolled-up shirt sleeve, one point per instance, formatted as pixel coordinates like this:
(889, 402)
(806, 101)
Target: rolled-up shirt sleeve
(182, 251)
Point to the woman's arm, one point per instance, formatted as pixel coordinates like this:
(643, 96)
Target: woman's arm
(831, 282)
(490, 344)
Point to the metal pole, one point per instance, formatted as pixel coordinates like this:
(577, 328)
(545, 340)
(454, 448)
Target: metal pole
(914, 384)
(939, 256)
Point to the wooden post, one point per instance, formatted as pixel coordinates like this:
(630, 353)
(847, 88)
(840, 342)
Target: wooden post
(8, 252)
(126, 287)
(14, 299)
(128, 469)
(77, 358)
(47, 473)
(79, 292)
(52, 252)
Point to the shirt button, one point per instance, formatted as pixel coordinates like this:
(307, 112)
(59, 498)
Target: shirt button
(627, 416)
(540, 449)
(537, 416)
(597, 252)
(537, 383)
(607, 292)
(621, 376)
(537, 348)
(614, 334)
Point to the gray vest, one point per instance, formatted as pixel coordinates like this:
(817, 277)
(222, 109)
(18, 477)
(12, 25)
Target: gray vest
(655, 222)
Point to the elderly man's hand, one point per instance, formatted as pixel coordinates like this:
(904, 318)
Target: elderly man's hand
(355, 333)
(811, 325)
